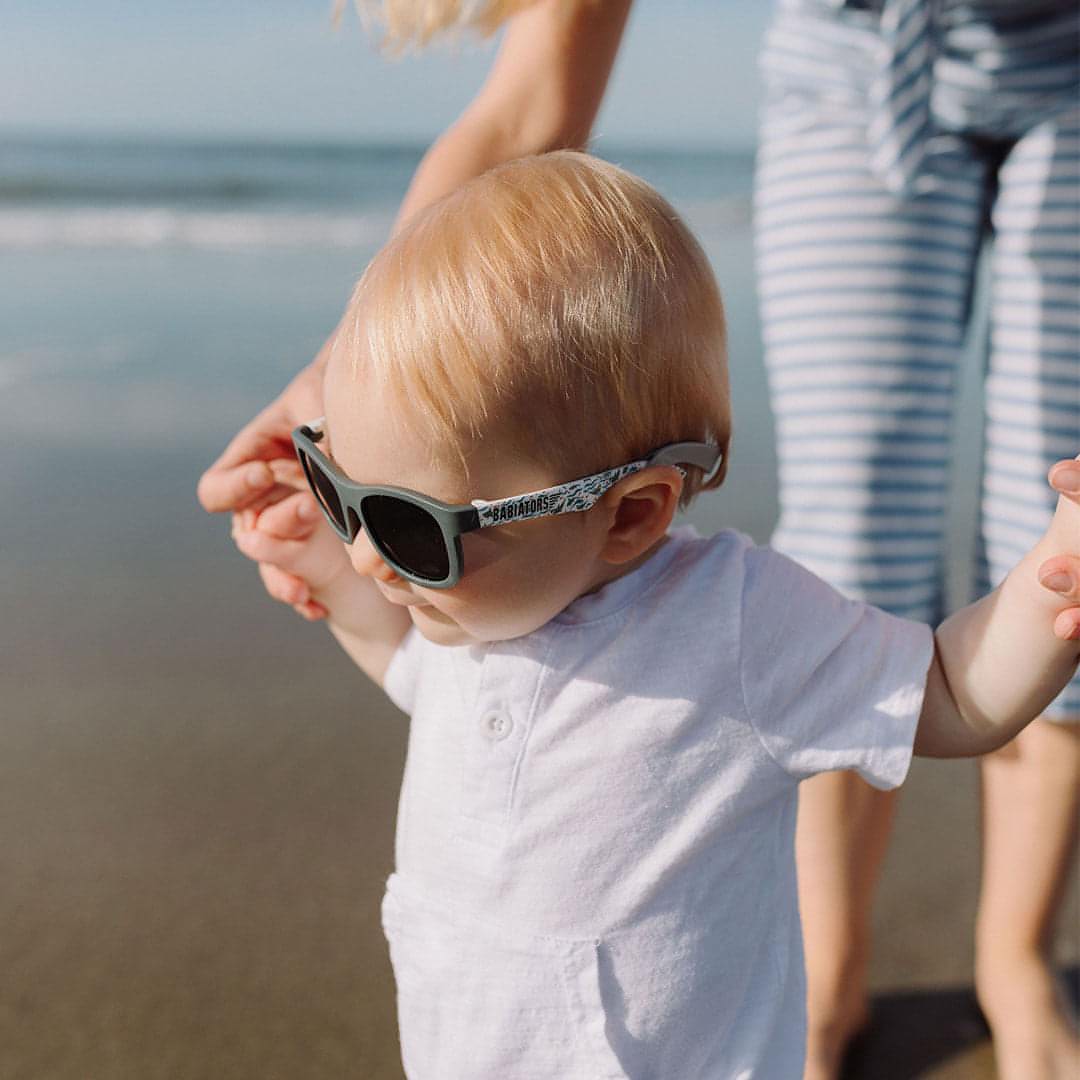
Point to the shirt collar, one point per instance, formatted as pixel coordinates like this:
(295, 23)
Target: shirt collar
(624, 590)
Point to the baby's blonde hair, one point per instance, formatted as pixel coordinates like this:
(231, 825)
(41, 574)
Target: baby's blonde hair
(415, 23)
(556, 305)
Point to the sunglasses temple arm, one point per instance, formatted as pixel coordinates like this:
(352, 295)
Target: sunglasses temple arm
(567, 498)
(706, 456)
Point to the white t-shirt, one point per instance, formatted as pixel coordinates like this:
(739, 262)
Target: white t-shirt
(595, 870)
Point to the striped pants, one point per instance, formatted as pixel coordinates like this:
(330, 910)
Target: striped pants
(866, 303)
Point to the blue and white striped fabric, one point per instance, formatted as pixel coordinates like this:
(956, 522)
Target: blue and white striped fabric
(900, 94)
(893, 142)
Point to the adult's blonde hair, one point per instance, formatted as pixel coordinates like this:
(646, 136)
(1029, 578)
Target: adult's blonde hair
(415, 23)
(556, 305)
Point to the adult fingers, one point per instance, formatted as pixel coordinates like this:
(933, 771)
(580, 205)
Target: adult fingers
(1061, 575)
(269, 497)
(289, 473)
(1067, 624)
(1064, 477)
(240, 471)
(266, 435)
(251, 484)
(294, 518)
(222, 489)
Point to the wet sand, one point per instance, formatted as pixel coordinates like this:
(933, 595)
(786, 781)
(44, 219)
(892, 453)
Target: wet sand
(196, 810)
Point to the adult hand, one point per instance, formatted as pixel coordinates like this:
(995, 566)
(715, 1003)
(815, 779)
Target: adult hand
(259, 467)
(1061, 573)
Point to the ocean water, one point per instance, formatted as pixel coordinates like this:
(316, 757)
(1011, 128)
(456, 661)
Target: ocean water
(157, 293)
(154, 294)
(127, 193)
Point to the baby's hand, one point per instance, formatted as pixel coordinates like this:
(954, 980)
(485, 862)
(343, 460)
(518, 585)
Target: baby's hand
(1061, 572)
(298, 553)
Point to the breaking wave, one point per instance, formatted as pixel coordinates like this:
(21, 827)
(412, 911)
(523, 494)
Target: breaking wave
(148, 227)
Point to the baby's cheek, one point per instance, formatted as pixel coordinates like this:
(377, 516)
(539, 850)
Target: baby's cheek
(488, 610)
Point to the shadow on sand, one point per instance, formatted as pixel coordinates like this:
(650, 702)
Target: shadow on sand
(912, 1032)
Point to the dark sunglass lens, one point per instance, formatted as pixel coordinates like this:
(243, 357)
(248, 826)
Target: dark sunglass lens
(408, 535)
(324, 490)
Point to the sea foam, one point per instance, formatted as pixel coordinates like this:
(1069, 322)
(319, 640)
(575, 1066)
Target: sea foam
(154, 227)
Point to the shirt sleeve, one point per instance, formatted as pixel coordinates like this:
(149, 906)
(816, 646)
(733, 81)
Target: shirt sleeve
(403, 673)
(829, 683)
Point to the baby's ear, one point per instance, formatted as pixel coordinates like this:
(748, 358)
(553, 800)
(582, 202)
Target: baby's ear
(640, 509)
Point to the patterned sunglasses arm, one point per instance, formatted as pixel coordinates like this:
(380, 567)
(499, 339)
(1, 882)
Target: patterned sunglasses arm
(566, 498)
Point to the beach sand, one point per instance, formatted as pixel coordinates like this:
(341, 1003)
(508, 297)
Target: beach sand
(197, 795)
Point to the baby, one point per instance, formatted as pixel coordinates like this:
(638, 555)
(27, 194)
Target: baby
(595, 873)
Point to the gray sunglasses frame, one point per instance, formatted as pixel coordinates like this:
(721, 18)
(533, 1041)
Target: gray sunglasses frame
(456, 520)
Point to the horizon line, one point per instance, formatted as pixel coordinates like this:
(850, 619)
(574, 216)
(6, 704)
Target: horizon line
(333, 140)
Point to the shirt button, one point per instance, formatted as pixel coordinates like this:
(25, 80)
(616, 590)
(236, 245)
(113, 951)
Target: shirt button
(496, 724)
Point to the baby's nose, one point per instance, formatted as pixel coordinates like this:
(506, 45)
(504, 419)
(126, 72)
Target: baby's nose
(366, 560)
(384, 572)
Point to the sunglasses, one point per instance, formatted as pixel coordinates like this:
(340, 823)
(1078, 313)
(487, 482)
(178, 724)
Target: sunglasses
(420, 537)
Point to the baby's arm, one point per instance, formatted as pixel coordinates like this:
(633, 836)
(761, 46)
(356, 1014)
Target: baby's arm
(999, 662)
(293, 537)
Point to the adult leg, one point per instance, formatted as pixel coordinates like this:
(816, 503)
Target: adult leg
(865, 299)
(1031, 789)
(1031, 797)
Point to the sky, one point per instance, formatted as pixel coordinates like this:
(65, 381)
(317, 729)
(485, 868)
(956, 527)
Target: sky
(277, 69)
